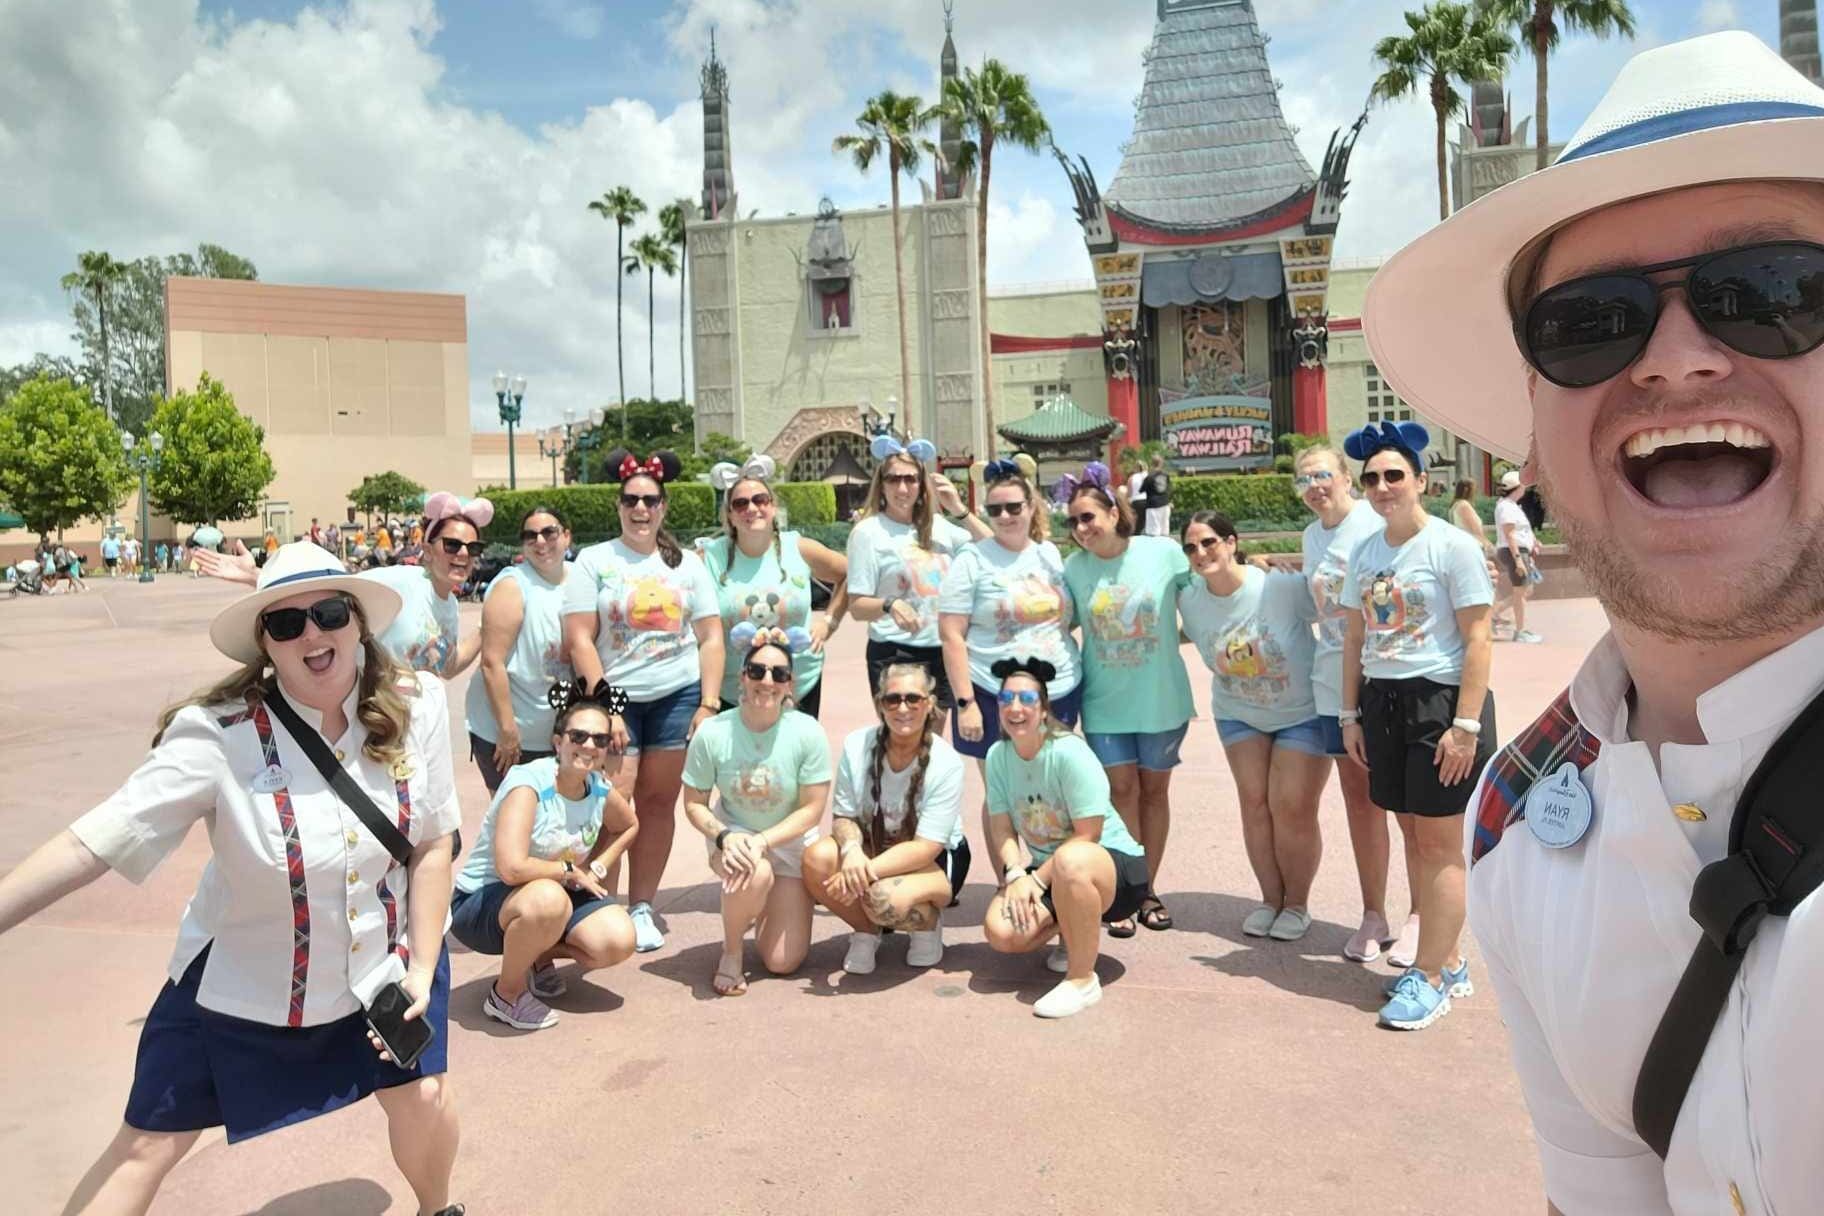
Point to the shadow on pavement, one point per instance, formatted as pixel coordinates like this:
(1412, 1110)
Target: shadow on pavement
(349, 1197)
(586, 995)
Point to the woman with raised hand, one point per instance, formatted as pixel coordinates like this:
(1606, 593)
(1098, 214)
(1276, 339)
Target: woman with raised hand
(1253, 630)
(769, 767)
(641, 613)
(310, 911)
(522, 651)
(763, 575)
(895, 857)
(1047, 791)
(1416, 708)
(532, 889)
(898, 556)
(1136, 693)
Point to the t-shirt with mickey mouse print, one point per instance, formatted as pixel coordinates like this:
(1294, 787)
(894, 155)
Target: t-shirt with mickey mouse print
(773, 589)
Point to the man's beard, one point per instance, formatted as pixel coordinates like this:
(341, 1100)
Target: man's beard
(1779, 595)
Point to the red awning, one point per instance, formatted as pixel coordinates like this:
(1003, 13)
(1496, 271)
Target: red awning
(1014, 344)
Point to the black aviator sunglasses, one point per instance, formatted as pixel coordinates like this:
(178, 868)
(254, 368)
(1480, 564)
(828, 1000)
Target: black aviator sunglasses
(1765, 301)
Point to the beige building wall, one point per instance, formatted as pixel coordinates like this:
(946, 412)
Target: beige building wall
(1025, 380)
(489, 467)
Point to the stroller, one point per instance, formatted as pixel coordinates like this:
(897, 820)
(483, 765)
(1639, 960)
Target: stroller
(486, 568)
(30, 580)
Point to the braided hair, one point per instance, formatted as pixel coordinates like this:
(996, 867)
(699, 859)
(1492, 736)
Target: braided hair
(877, 835)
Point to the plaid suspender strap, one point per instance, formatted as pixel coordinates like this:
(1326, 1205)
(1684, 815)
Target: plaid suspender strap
(1557, 736)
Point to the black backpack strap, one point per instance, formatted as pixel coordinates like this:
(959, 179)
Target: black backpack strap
(1776, 859)
(353, 796)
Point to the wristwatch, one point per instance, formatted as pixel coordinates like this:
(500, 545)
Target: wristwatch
(714, 707)
(599, 870)
(886, 605)
(569, 871)
(964, 702)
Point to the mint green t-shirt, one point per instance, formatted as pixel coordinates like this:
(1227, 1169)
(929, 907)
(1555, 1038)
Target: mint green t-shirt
(757, 776)
(772, 590)
(1134, 680)
(1044, 796)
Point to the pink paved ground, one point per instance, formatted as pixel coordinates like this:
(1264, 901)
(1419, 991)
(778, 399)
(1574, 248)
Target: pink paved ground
(1219, 1074)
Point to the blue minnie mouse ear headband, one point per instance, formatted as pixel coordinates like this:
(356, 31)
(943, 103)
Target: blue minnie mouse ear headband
(1408, 437)
(921, 450)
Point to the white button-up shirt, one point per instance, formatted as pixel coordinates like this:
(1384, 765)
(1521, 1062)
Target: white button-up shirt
(302, 908)
(1586, 944)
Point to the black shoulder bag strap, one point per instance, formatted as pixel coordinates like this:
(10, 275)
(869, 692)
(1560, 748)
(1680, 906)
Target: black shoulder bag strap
(1776, 859)
(353, 796)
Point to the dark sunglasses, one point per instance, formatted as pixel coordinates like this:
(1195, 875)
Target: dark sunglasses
(1765, 301)
(901, 479)
(1206, 544)
(285, 624)
(1082, 520)
(758, 500)
(894, 700)
(452, 546)
(1392, 477)
(758, 673)
(548, 532)
(651, 502)
(1028, 697)
(580, 737)
(998, 509)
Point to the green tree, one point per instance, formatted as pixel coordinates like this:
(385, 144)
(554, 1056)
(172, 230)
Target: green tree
(60, 456)
(651, 254)
(97, 274)
(893, 125)
(215, 465)
(1538, 23)
(389, 493)
(672, 223)
(994, 106)
(1448, 43)
(717, 447)
(622, 206)
(57, 367)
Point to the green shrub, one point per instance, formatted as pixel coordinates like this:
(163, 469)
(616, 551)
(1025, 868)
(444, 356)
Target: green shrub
(594, 510)
(1256, 497)
(807, 503)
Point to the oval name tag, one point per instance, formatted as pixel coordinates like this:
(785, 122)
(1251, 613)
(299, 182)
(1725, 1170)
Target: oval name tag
(270, 780)
(1558, 808)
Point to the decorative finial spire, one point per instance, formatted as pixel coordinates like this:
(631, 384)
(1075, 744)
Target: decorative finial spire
(949, 16)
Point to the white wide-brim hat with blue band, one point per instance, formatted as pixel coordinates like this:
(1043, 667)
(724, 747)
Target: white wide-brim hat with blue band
(1438, 316)
(297, 569)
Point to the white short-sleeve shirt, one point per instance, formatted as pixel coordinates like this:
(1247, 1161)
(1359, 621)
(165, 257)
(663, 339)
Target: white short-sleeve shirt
(940, 810)
(1508, 512)
(1585, 945)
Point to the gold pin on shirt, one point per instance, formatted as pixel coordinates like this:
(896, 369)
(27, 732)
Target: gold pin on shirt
(1690, 812)
(402, 769)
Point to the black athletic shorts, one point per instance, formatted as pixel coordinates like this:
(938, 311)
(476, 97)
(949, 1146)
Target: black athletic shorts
(1132, 885)
(1402, 721)
(1516, 574)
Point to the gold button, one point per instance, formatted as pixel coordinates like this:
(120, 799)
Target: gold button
(353, 916)
(355, 949)
(341, 755)
(1735, 1197)
(1690, 812)
(353, 878)
(352, 838)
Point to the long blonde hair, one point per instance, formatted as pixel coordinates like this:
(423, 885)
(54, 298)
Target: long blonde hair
(921, 510)
(382, 708)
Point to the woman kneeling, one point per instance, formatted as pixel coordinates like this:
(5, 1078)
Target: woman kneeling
(534, 889)
(1048, 790)
(895, 855)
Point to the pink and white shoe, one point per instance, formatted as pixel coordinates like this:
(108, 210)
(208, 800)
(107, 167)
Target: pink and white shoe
(1374, 936)
(1406, 947)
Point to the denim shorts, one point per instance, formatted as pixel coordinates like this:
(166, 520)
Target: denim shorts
(1155, 751)
(1065, 709)
(1310, 736)
(475, 915)
(662, 725)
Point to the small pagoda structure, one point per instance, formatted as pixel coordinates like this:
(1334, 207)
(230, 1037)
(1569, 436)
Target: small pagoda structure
(1211, 248)
(1062, 431)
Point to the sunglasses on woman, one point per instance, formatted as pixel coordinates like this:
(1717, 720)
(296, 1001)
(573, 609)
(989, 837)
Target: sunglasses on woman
(1013, 509)
(895, 700)
(1392, 477)
(452, 546)
(1765, 301)
(1316, 477)
(901, 479)
(1206, 544)
(1029, 697)
(757, 501)
(1082, 520)
(759, 673)
(286, 624)
(651, 502)
(547, 533)
(581, 737)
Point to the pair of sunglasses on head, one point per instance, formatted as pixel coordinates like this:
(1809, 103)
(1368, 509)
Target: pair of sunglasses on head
(1764, 300)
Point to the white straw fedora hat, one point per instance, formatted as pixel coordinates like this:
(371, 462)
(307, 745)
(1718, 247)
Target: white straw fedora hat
(295, 569)
(1438, 316)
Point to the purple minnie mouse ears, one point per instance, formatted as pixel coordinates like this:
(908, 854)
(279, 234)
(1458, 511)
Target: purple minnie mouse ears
(1408, 437)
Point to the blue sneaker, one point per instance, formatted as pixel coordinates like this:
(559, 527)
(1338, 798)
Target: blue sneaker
(1456, 983)
(1415, 1004)
(646, 935)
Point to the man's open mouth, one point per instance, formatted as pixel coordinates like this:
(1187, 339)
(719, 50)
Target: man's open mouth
(1705, 464)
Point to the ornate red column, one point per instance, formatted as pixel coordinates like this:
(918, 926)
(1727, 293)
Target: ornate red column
(1310, 400)
(1124, 407)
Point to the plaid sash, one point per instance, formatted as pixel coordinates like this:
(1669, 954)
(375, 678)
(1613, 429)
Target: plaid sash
(1545, 745)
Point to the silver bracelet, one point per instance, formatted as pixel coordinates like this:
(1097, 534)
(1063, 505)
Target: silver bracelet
(1469, 726)
(1346, 716)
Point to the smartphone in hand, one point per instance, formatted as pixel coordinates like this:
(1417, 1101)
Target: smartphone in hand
(405, 1041)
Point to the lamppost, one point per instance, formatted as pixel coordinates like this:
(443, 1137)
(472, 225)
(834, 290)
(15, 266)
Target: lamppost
(144, 460)
(588, 443)
(560, 443)
(515, 389)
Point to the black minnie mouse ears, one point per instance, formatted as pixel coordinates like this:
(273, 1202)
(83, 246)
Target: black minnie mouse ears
(566, 693)
(1038, 669)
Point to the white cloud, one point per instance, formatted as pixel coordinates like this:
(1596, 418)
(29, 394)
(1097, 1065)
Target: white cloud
(1717, 15)
(573, 18)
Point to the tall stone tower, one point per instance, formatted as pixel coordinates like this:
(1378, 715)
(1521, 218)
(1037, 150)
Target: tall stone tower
(1799, 37)
(950, 134)
(718, 156)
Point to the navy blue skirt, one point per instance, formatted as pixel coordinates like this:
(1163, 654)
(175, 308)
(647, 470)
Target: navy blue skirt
(198, 1068)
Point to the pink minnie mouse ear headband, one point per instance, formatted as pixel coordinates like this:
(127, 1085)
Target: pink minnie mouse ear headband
(759, 467)
(747, 636)
(921, 450)
(444, 506)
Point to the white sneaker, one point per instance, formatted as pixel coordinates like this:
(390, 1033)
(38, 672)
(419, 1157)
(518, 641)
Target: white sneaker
(926, 948)
(1058, 960)
(1528, 636)
(1068, 998)
(646, 935)
(1259, 922)
(862, 949)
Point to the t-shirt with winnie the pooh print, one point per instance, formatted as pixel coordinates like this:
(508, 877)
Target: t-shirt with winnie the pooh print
(645, 615)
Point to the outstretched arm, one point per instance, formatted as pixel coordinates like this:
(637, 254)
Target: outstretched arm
(60, 866)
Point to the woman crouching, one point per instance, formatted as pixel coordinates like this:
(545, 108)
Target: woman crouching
(895, 855)
(1046, 789)
(534, 889)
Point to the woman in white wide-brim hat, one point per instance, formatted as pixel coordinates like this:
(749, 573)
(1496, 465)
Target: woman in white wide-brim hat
(302, 915)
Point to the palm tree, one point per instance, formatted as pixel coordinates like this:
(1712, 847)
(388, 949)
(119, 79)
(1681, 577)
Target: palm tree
(1537, 21)
(622, 206)
(651, 253)
(993, 105)
(97, 273)
(1448, 43)
(671, 227)
(893, 125)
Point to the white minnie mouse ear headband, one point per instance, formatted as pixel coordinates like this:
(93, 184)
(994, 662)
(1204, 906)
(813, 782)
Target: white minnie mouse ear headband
(760, 467)
(921, 450)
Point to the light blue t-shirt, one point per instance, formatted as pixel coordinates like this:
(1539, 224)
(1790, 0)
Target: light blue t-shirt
(110, 547)
(645, 615)
(562, 829)
(1045, 795)
(757, 776)
(885, 561)
(940, 805)
(1134, 680)
(1409, 596)
(1257, 644)
(425, 634)
(1018, 605)
(1327, 553)
(769, 590)
(535, 663)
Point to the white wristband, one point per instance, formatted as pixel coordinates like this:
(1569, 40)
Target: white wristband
(1468, 726)
(1346, 716)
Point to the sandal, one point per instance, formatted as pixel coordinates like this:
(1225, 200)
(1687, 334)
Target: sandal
(1122, 928)
(1153, 914)
(727, 982)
